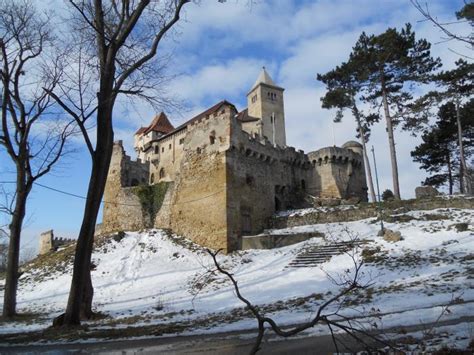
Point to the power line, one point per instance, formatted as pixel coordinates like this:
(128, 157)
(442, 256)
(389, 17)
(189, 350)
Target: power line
(115, 203)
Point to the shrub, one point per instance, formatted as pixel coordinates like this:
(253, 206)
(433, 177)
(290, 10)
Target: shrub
(388, 195)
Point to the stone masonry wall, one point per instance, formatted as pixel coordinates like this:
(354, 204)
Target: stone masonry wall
(198, 203)
(335, 215)
(338, 173)
(122, 207)
(46, 242)
(261, 178)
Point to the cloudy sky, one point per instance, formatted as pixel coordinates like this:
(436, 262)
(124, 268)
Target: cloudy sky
(217, 54)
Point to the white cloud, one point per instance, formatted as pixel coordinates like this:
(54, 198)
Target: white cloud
(218, 81)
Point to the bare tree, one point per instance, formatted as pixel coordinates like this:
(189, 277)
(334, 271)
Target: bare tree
(329, 312)
(465, 14)
(31, 133)
(115, 53)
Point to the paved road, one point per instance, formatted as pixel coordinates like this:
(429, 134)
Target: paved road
(212, 344)
(225, 343)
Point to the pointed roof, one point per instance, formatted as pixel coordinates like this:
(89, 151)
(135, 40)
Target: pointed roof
(264, 78)
(159, 124)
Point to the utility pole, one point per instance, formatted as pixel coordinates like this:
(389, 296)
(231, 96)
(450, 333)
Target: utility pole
(382, 230)
(273, 128)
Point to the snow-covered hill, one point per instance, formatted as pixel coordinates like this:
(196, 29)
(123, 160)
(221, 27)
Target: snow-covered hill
(154, 278)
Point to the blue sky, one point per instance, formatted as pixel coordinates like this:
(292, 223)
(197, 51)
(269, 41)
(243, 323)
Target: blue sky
(217, 53)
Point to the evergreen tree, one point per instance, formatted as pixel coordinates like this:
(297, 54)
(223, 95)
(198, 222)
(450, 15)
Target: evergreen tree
(386, 67)
(341, 94)
(439, 153)
(458, 85)
(387, 195)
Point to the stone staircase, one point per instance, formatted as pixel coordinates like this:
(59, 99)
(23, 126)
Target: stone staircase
(316, 255)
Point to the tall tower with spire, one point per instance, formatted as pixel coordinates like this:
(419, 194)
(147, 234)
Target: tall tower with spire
(265, 101)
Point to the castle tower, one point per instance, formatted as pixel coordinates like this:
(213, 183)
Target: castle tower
(265, 101)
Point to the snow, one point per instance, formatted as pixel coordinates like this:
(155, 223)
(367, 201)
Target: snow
(150, 276)
(323, 209)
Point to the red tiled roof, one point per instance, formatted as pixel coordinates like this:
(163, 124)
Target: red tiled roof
(160, 124)
(140, 130)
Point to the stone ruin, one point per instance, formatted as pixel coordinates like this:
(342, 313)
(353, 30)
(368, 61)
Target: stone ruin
(49, 243)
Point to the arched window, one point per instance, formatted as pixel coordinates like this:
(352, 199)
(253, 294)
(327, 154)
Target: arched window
(152, 178)
(162, 173)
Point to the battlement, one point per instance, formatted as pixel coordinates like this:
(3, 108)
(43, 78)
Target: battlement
(48, 242)
(335, 155)
(262, 149)
(130, 172)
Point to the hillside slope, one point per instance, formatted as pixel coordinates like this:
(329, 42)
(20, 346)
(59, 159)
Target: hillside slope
(153, 278)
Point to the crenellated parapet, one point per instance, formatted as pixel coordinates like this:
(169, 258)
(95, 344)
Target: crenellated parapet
(338, 172)
(126, 171)
(335, 155)
(261, 149)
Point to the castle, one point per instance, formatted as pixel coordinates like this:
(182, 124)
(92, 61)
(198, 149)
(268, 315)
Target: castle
(222, 174)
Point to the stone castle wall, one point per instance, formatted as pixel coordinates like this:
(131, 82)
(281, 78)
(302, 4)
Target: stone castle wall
(122, 207)
(49, 243)
(198, 203)
(227, 183)
(337, 173)
(261, 179)
(46, 242)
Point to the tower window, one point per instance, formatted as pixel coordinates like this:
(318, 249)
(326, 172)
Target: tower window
(162, 173)
(181, 141)
(169, 146)
(254, 98)
(272, 96)
(162, 149)
(157, 150)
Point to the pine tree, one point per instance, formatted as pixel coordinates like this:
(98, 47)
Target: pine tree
(386, 67)
(458, 85)
(341, 94)
(439, 153)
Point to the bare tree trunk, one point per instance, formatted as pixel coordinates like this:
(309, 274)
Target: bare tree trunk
(450, 174)
(11, 283)
(81, 292)
(368, 170)
(391, 143)
(464, 179)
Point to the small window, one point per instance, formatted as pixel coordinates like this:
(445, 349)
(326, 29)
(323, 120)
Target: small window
(254, 98)
(169, 146)
(212, 140)
(162, 149)
(152, 178)
(198, 150)
(181, 141)
(162, 173)
(157, 149)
